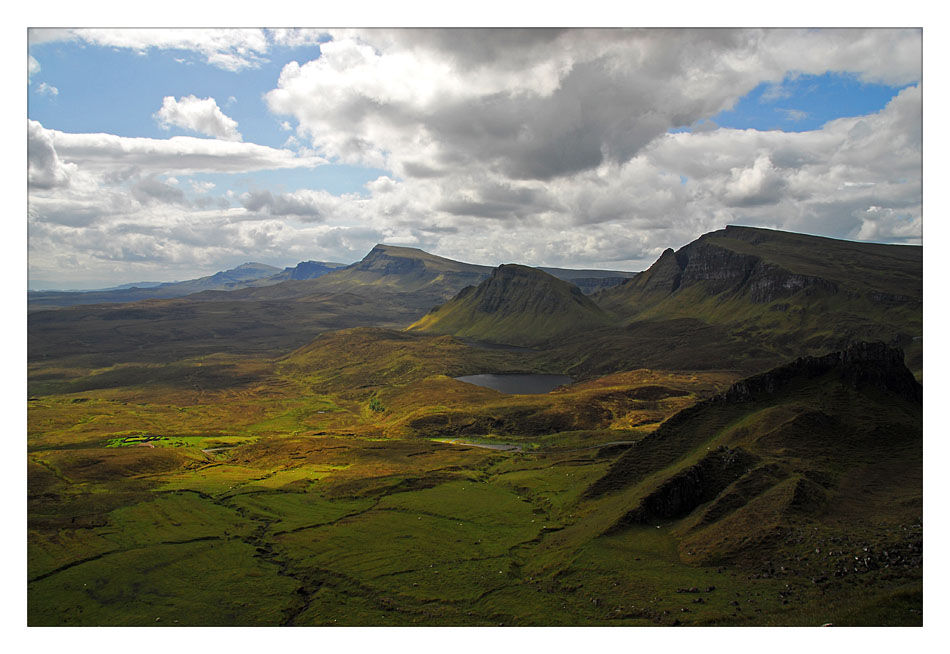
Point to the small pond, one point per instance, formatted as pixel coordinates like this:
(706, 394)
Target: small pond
(518, 384)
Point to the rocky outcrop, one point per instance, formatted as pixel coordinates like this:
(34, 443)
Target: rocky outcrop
(768, 283)
(662, 277)
(681, 493)
(381, 262)
(862, 364)
(721, 269)
(307, 270)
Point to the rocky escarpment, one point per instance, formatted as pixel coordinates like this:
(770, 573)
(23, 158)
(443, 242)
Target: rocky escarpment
(681, 493)
(722, 269)
(663, 277)
(381, 261)
(860, 366)
(762, 266)
(307, 270)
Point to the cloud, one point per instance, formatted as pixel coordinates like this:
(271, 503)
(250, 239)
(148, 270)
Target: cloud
(45, 170)
(32, 66)
(547, 147)
(754, 185)
(295, 38)
(542, 104)
(46, 89)
(229, 49)
(306, 205)
(198, 115)
(183, 155)
(152, 190)
(794, 115)
(202, 187)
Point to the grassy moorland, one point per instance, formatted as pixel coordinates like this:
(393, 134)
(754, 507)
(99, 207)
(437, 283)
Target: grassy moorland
(295, 459)
(339, 513)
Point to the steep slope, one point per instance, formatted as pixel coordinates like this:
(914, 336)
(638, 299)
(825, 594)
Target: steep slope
(517, 305)
(792, 293)
(832, 441)
(405, 270)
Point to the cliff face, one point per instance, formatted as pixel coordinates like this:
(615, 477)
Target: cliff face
(309, 270)
(382, 262)
(793, 294)
(836, 437)
(765, 265)
(861, 365)
(722, 270)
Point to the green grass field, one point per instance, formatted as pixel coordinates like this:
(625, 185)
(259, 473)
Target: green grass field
(292, 501)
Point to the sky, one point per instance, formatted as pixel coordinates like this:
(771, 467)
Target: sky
(168, 154)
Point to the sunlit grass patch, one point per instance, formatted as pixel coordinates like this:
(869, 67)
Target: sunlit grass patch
(177, 517)
(450, 581)
(292, 479)
(380, 543)
(171, 517)
(212, 479)
(559, 485)
(470, 501)
(226, 585)
(289, 511)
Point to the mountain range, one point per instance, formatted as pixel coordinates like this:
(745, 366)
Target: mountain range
(243, 276)
(742, 298)
(392, 267)
(736, 439)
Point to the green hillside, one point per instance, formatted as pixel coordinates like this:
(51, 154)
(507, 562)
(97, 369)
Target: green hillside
(789, 293)
(517, 305)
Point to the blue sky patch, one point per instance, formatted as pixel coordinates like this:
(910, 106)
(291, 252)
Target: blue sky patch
(806, 102)
(124, 92)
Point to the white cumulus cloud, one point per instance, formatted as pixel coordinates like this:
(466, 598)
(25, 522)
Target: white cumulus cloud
(200, 115)
(546, 147)
(46, 89)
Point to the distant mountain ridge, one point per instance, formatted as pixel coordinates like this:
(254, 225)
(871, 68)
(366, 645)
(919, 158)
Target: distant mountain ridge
(391, 267)
(246, 275)
(739, 299)
(307, 270)
(224, 280)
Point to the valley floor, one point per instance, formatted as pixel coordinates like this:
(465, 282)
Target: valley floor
(283, 500)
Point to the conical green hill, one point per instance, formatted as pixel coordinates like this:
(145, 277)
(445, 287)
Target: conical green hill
(517, 305)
